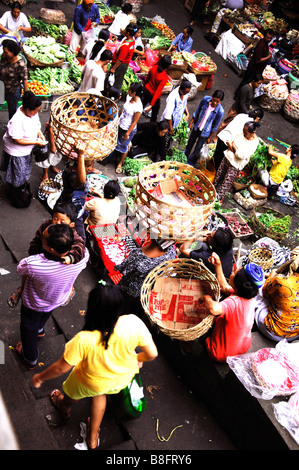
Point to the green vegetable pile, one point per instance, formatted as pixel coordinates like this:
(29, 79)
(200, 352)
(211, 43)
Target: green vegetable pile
(45, 49)
(176, 155)
(133, 166)
(55, 78)
(158, 42)
(279, 225)
(129, 78)
(293, 173)
(50, 29)
(260, 159)
(181, 133)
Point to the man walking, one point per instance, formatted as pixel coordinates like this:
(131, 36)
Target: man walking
(48, 284)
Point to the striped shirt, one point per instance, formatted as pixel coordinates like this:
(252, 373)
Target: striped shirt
(48, 283)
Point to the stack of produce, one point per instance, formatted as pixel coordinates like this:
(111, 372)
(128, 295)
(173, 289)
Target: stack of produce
(38, 88)
(268, 20)
(166, 31)
(268, 219)
(106, 14)
(159, 42)
(260, 160)
(277, 89)
(56, 31)
(45, 49)
(56, 79)
(129, 78)
(148, 30)
(270, 73)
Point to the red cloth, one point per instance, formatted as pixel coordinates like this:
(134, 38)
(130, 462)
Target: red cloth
(125, 52)
(231, 333)
(155, 82)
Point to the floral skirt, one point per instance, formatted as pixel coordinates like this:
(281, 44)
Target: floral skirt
(18, 169)
(225, 176)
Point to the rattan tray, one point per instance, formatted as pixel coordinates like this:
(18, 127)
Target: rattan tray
(181, 269)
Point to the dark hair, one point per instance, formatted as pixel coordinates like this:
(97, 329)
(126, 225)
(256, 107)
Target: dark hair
(164, 63)
(189, 30)
(16, 5)
(67, 208)
(251, 126)
(222, 241)
(61, 237)
(162, 125)
(127, 8)
(102, 38)
(12, 46)
(104, 306)
(31, 101)
(269, 31)
(244, 285)
(254, 113)
(131, 29)
(136, 88)
(257, 78)
(106, 55)
(111, 189)
(113, 93)
(185, 84)
(218, 94)
(295, 151)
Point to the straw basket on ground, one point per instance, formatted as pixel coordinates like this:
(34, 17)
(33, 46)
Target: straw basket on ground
(262, 256)
(83, 117)
(182, 321)
(173, 200)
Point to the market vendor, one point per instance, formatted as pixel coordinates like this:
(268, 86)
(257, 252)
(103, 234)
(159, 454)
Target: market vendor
(277, 310)
(150, 140)
(183, 42)
(280, 165)
(86, 17)
(121, 21)
(176, 105)
(260, 57)
(123, 55)
(15, 22)
(219, 241)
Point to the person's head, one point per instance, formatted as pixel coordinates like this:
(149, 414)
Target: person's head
(164, 63)
(64, 213)
(10, 49)
(162, 127)
(100, 43)
(104, 307)
(256, 114)
(138, 32)
(113, 93)
(136, 89)
(247, 281)
(127, 8)
(106, 56)
(217, 97)
(104, 35)
(187, 32)
(58, 239)
(87, 4)
(31, 104)
(185, 87)
(293, 151)
(221, 240)
(257, 81)
(268, 35)
(130, 31)
(250, 128)
(111, 189)
(16, 8)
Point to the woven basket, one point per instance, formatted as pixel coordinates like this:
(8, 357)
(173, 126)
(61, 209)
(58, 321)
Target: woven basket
(37, 63)
(68, 123)
(273, 105)
(180, 268)
(173, 221)
(291, 108)
(260, 188)
(261, 230)
(262, 256)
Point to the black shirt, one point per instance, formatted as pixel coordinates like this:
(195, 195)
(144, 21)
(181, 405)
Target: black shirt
(226, 260)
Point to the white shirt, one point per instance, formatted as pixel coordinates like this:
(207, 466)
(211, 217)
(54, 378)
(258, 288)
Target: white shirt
(175, 107)
(234, 127)
(102, 211)
(93, 76)
(8, 21)
(245, 149)
(128, 111)
(205, 118)
(21, 127)
(120, 22)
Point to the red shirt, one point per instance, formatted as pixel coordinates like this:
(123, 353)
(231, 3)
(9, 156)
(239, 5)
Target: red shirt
(124, 52)
(155, 82)
(231, 333)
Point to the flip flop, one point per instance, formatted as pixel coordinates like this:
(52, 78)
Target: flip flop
(118, 170)
(54, 400)
(14, 298)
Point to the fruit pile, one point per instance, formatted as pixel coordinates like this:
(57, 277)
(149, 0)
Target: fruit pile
(166, 31)
(38, 88)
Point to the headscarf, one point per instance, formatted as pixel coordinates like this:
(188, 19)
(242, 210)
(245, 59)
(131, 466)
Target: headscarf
(255, 273)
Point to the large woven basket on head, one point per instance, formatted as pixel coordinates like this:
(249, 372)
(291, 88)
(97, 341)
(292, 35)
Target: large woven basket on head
(174, 324)
(82, 117)
(172, 220)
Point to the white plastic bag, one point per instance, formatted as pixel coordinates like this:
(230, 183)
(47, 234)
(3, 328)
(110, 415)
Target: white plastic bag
(287, 414)
(204, 152)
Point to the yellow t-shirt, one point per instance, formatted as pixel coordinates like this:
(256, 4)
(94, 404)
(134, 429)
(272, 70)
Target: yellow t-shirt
(280, 168)
(102, 369)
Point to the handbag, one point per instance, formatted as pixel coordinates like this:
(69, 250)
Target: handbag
(130, 402)
(207, 167)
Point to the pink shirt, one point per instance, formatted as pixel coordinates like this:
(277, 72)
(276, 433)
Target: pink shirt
(49, 283)
(231, 333)
(205, 118)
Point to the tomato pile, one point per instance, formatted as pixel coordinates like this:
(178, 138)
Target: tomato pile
(38, 88)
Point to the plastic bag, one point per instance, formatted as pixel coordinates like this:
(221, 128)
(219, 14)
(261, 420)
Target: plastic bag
(204, 152)
(152, 57)
(287, 414)
(268, 372)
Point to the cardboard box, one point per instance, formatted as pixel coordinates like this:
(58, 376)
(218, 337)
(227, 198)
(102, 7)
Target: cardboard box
(169, 192)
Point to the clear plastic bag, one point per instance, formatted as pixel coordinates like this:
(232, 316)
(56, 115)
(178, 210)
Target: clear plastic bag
(287, 414)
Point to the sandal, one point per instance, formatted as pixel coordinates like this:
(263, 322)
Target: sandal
(118, 170)
(72, 295)
(88, 436)
(14, 298)
(20, 353)
(55, 400)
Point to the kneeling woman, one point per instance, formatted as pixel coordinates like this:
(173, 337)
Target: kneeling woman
(234, 316)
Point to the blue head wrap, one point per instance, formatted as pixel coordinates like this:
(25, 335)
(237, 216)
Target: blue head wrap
(255, 273)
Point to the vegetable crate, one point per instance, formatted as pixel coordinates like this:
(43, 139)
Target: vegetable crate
(173, 306)
(261, 230)
(83, 117)
(237, 225)
(183, 212)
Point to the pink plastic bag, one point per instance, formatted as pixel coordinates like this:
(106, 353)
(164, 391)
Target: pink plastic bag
(152, 57)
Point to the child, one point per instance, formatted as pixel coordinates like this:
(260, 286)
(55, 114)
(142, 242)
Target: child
(63, 213)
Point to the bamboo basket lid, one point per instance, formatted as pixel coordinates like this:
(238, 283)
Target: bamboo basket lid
(83, 117)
